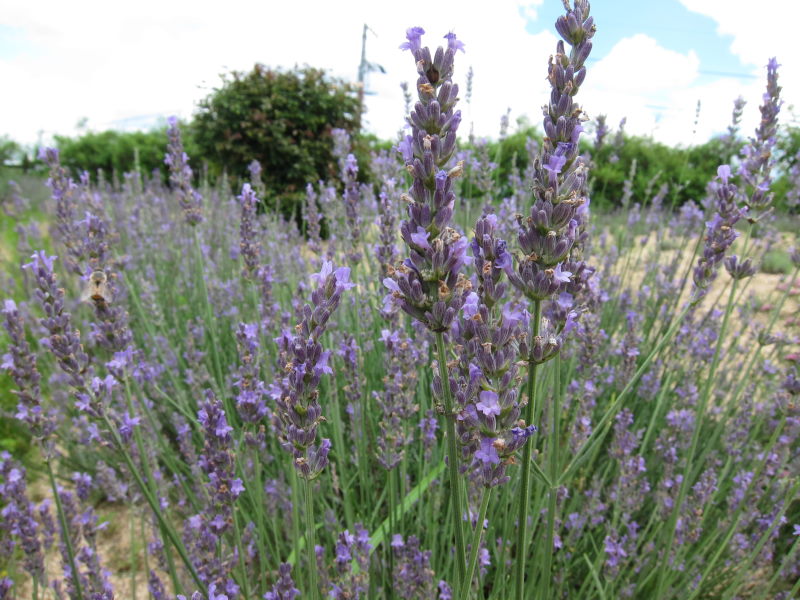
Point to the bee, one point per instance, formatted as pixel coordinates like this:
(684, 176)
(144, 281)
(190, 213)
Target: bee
(96, 290)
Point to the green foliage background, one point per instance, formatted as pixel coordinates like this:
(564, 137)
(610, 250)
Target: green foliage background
(114, 151)
(282, 119)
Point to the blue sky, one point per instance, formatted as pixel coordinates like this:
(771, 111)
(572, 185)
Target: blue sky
(129, 65)
(668, 21)
(674, 27)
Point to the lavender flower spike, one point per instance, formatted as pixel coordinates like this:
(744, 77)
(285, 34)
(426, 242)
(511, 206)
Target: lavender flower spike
(352, 198)
(180, 175)
(20, 362)
(720, 232)
(284, 588)
(758, 158)
(428, 285)
(547, 237)
(64, 341)
(249, 246)
(297, 393)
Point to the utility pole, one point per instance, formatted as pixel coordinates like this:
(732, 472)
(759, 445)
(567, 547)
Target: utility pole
(364, 67)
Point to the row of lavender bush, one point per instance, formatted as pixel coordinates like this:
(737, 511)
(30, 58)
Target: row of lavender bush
(521, 406)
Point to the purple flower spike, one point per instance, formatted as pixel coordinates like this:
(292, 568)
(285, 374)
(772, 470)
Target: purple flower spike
(758, 157)
(412, 576)
(430, 286)
(297, 394)
(284, 587)
(249, 247)
(551, 236)
(181, 175)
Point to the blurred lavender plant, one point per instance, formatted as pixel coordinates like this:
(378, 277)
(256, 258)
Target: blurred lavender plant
(720, 232)
(249, 247)
(349, 577)
(731, 137)
(305, 362)
(352, 199)
(284, 588)
(205, 530)
(313, 219)
(256, 182)
(20, 362)
(386, 249)
(250, 401)
(64, 192)
(181, 175)
(757, 156)
(396, 401)
(413, 578)
(601, 131)
(341, 148)
(618, 141)
(19, 520)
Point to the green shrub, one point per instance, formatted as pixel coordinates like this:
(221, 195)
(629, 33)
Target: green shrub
(777, 262)
(114, 151)
(282, 119)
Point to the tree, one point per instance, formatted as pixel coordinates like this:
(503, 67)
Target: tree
(9, 150)
(280, 118)
(113, 151)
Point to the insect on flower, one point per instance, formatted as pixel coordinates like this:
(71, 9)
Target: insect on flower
(96, 290)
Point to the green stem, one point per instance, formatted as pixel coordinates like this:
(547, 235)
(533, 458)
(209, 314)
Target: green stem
(685, 278)
(62, 518)
(148, 475)
(390, 474)
(701, 409)
(342, 462)
(167, 528)
(525, 467)
(144, 548)
(452, 460)
(241, 552)
(599, 429)
(553, 446)
(210, 323)
(294, 557)
(476, 543)
(311, 543)
(134, 560)
(259, 508)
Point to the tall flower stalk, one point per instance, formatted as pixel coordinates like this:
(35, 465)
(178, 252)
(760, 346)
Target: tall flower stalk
(297, 393)
(755, 173)
(546, 238)
(428, 285)
(180, 175)
(489, 429)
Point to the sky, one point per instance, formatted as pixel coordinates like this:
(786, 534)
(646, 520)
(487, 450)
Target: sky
(81, 65)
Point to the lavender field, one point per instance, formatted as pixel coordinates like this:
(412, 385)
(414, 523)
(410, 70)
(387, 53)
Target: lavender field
(422, 389)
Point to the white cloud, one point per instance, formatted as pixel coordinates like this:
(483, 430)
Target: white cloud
(759, 32)
(657, 90)
(115, 61)
(111, 62)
